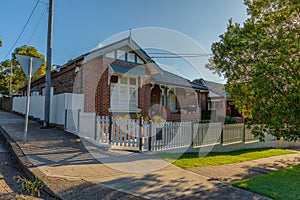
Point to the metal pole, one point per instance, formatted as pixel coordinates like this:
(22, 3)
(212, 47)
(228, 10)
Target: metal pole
(10, 79)
(140, 134)
(28, 100)
(48, 65)
(150, 136)
(110, 128)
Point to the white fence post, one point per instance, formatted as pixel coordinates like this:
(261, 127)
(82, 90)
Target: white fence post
(96, 127)
(78, 125)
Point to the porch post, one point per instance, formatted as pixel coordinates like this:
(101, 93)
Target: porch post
(163, 94)
(167, 95)
(199, 98)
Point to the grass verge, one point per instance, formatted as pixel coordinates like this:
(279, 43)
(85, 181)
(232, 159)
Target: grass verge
(189, 160)
(282, 184)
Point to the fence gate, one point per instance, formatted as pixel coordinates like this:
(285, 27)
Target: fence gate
(122, 133)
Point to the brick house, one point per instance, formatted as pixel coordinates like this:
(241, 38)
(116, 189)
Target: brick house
(219, 101)
(121, 79)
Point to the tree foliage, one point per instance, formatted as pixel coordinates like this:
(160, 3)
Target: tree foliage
(18, 77)
(260, 60)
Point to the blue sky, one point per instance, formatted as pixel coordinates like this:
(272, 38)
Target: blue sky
(80, 26)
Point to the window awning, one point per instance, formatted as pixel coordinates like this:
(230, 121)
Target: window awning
(124, 69)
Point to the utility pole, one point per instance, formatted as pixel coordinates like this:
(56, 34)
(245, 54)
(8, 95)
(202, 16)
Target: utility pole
(10, 79)
(48, 65)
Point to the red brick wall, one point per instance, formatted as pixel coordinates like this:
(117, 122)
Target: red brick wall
(95, 86)
(155, 95)
(180, 98)
(144, 97)
(181, 116)
(230, 107)
(204, 100)
(103, 90)
(6, 103)
(221, 112)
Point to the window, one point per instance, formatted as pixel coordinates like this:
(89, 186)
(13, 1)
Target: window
(215, 105)
(121, 55)
(133, 97)
(132, 81)
(124, 94)
(161, 99)
(124, 80)
(139, 60)
(131, 57)
(114, 79)
(172, 101)
(110, 55)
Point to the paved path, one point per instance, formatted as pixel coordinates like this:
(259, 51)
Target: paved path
(74, 170)
(230, 173)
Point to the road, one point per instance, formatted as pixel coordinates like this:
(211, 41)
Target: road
(9, 186)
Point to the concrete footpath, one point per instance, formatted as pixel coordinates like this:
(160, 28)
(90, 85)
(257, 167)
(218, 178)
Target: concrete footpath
(74, 169)
(230, 173)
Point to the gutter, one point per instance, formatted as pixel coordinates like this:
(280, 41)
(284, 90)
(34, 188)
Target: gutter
(25, 164)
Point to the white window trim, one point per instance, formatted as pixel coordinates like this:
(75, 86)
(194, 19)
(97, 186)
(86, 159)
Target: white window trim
(118, 104)
(212, 104)
(121, 55)
(172, 101)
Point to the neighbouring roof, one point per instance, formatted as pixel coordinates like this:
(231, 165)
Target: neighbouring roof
(169, 78)
(124, 69)
(217, 89)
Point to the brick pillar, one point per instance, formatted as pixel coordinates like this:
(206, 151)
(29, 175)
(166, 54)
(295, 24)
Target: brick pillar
(144, 97)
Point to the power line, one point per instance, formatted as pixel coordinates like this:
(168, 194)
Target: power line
(37, 26)
(13, 46)
(175, 55)
(181, 56)
(169, 53)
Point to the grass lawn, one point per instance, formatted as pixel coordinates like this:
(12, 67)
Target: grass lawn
(282, 184)
(188, 160)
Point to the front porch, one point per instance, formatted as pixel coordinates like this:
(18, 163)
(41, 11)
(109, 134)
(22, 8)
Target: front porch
(176, 103)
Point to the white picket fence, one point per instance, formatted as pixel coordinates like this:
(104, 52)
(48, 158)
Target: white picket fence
(105, 131)
(207, 134)
(170, 135)
(129, 134)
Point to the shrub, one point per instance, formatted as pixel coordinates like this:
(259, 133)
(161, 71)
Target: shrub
(125, 117)
(32, 187)
(204, 121)
(157, 119)
(228, 120)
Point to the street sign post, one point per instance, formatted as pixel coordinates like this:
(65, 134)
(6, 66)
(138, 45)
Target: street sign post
(29, 66)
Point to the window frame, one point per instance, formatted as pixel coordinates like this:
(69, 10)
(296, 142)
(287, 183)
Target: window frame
(172, 101)
(118, 92)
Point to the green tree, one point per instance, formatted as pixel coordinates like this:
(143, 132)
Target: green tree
(18, 77)
(260, 60)
(31, 51)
